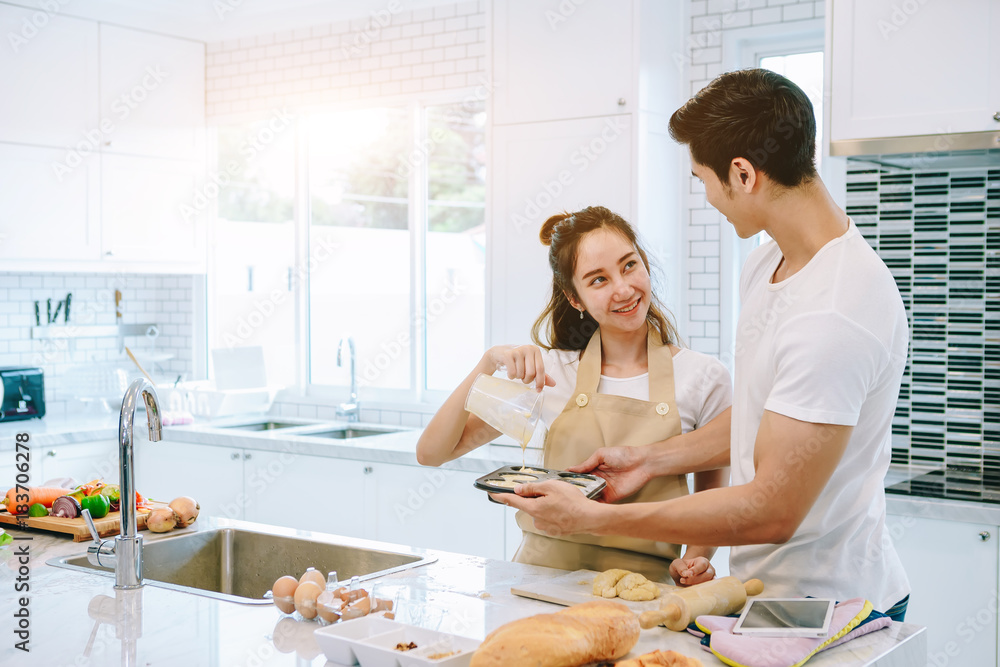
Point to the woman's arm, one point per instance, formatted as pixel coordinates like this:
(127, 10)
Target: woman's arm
(454, 432)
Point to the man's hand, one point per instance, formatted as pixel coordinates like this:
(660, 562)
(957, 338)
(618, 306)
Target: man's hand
(557, 507)
(690, 571)
(621, 467)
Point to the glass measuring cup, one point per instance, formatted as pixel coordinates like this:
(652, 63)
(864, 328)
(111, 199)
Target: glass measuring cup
(509, 406)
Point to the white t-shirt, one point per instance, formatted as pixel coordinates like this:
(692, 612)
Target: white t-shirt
(827, 345)
(702, 386)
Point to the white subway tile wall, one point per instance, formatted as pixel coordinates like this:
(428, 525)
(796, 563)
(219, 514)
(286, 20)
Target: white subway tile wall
(387, 54)
(709, 20)
(79, 368)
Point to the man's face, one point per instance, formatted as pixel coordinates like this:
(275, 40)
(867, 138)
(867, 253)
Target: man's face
(724, 198)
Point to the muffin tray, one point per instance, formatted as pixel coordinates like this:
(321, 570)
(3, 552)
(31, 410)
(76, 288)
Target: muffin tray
(503, 480)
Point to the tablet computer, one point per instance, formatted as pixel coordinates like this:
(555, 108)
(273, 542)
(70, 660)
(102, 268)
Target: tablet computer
(786, 617)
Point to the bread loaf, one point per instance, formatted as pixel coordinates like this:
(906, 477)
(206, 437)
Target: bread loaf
(577, 635)
(661, 659)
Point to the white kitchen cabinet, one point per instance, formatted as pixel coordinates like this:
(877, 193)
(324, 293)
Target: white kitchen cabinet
(49, 75)
(953, 570)
(153, 91)
(45, 214)
(913, 68)
(436, 508)
(546, 66)
(82, 462)
(102, 147)
(539, 169)
(149, 210)
(211, 475)
(307, 492)
(571, 126)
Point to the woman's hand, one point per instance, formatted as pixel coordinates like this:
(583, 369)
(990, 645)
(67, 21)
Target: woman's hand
(690, 571)
(621, 467)
(523, 362)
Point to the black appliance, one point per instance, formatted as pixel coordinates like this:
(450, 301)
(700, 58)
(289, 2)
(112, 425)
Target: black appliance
(22, 393)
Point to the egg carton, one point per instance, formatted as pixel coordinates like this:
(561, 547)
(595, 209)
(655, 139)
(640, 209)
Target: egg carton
(503, 480)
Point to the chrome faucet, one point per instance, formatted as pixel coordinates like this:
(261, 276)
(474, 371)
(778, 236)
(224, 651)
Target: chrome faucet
(351, 410)
(125, 555)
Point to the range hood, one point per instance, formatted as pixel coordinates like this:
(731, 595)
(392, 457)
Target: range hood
(923, 143)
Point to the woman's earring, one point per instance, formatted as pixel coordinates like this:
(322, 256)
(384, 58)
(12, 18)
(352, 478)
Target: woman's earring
(581, 314)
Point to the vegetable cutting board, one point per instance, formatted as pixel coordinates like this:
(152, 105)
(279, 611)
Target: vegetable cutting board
(77, 528)
(577, 588)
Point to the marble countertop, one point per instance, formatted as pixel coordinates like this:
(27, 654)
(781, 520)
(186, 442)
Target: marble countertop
(77, 618)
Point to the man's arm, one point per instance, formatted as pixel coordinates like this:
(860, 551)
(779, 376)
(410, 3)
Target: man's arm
(628, 469)
(794, 461)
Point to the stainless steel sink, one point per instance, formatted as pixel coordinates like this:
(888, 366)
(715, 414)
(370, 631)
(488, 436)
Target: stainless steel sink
(349, 432)
(240, 565)
(261, 426)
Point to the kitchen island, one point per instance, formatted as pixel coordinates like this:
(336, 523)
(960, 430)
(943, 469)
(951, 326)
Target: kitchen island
(77, 618)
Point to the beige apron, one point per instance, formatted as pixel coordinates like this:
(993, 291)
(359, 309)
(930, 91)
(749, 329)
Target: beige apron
(588, 422)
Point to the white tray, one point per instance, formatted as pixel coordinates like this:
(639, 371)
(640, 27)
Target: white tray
(371, 641)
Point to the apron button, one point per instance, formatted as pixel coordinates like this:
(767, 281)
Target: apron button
(582, 400)
(662, 408)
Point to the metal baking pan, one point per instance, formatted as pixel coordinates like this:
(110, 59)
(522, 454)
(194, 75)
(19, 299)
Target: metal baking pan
(503, 480)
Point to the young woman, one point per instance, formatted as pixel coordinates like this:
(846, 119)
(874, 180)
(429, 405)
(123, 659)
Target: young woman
(612, 374)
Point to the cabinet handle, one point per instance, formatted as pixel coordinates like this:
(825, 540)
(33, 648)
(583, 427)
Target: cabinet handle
(996, 116)
(369, 470)
(621, 101)
(247, 456)
(984, 536)
(108, 254)
(50, 453)
(235, 456)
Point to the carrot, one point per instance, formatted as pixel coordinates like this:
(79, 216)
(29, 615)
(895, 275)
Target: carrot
(35, 494)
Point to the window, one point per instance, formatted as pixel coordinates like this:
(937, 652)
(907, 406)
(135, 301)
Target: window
(252, 246)
(392, 229)
(359, 200)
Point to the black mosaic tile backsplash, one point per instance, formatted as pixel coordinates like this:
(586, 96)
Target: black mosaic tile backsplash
(936, 224)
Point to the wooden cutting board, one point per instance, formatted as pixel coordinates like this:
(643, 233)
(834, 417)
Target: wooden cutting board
(577, 588)
(77, 528)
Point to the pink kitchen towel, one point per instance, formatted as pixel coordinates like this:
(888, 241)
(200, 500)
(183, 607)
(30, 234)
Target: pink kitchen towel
(851, 618)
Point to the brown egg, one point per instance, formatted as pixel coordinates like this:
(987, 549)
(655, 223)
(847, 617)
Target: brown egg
(315, 576)
(305, 599)
(283, 591)
(329, 606)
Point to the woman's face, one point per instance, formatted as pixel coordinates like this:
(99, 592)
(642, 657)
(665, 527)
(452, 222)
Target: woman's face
(611, 281)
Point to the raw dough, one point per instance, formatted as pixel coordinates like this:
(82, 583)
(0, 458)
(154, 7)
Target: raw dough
(637, 588)
(625, 585)
(604, 583)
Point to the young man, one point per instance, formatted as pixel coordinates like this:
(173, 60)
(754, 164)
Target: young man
(820, 351)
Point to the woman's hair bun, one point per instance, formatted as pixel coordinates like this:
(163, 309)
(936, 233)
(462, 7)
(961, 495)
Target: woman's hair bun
(549, 226)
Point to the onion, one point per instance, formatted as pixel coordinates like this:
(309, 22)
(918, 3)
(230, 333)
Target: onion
(66, 507)
(186, 509)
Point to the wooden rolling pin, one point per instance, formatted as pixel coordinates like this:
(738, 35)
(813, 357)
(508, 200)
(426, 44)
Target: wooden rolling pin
(718, 597)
